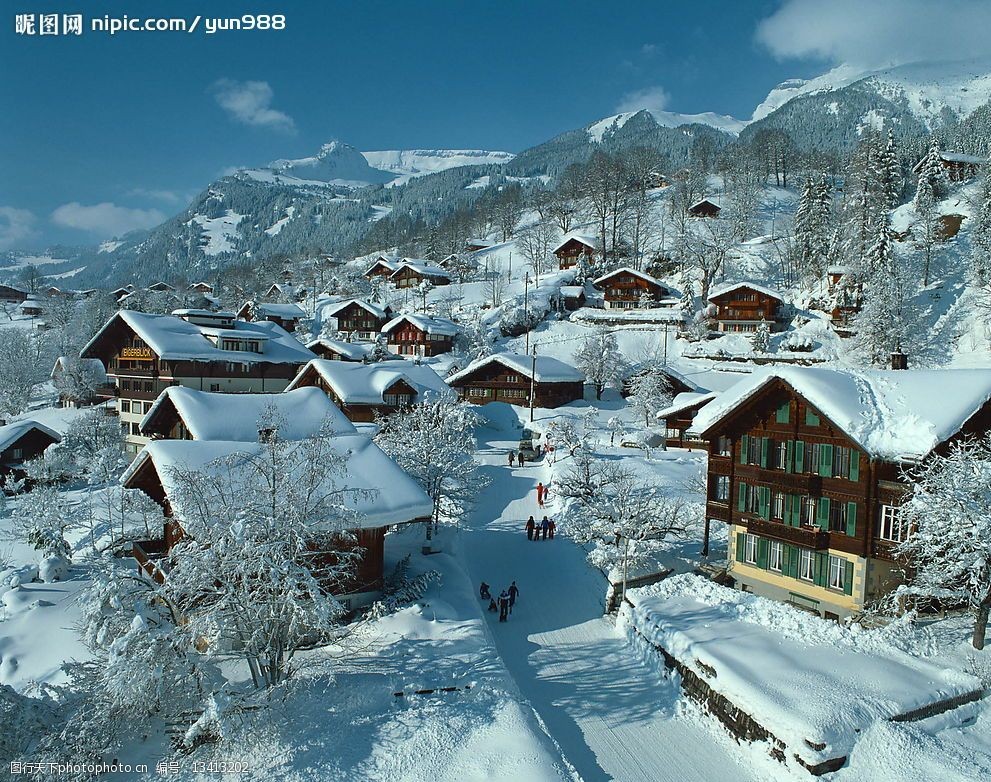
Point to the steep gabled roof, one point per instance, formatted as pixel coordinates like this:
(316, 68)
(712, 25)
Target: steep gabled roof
(627, 270)
(366, 384)
(688, 400)
(330, 309)
(420, 267)
(382, 493)
(353, 351)
(215, 416)
(895, 415)
(548, 369)
(389, 263)
(11, 433)
(588, 241)
(424, 323)
(727, 287)
(278, 310)
(701, 201)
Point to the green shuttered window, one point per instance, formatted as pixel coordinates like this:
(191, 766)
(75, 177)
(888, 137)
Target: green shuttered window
(783, 413)
(851, 518)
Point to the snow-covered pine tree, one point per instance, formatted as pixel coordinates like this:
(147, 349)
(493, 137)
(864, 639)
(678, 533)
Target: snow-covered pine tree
(601, 361)
(813, 227)
(930, 189)
(889, 173)
(650, 391)
(761, 340)
(687, 303)
(884, 322)
(932, 175)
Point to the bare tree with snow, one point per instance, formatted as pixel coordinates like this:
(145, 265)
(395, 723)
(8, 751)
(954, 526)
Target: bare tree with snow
(948, 530)
(601, 361)
(649, 392)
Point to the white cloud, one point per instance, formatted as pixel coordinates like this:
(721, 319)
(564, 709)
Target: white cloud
(650, 98)
(16, 226)
(250, 102)
(875, 33)
(105, 219)
(165, 196)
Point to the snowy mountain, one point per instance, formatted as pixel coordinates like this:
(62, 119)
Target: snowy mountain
(408, 163)
(665, 119)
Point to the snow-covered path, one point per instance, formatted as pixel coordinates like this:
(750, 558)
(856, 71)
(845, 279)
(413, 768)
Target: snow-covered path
(606, 708)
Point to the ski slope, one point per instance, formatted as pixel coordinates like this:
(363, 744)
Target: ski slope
(610, 712)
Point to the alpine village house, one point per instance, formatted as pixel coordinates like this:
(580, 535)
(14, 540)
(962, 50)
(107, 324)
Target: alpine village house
(805, 467)
(420, 335)
(630, 289)
(514, 378)
(572, 248)
(741, 306)
(211, 351)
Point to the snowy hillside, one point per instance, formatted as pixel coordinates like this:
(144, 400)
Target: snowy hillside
(409, 163)
(666, 119)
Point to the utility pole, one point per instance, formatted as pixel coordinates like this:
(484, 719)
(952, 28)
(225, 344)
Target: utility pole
(533, 380)
(509, 275)
(665, 343)
(526, 305)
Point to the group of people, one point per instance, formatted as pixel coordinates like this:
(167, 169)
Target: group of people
(506, 600)
(543, 493)
(540, 530)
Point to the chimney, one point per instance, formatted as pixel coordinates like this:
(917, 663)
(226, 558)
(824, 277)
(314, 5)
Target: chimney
(898, 359)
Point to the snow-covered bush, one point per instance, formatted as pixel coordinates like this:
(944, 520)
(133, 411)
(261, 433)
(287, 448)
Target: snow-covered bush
(797, 342)
(761, 339)
(517, 320)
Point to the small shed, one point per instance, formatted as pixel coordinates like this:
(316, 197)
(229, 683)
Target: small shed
(704, 207)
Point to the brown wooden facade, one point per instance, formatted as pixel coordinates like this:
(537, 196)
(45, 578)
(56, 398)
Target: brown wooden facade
(408, 339)
(30, 445)
(569, 253)
(380, 268)
(411, 277)
(399, 394)
(742, 308)
(357, 319)
(625, 289)
(494, 382)
(12, 295)
(814, 519)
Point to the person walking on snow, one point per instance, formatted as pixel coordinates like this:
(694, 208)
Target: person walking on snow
(544, 526)
(540, 495)
(483, 591)
(547, 492)
(550, 527)
(514, 592)
(519, 458)
(503, 606)
(530, 526)
(512, 459)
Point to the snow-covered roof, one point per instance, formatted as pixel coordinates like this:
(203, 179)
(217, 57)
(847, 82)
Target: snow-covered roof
(548, 369)
(479, 243)
(685, 401)
(354, 351)
(572, 291)
(331, 309)
(215, 416)
(705, 201)
(388, 262)
(420, 267)
(11, 433)
(959, 157)
(175, 339)
(366, 384)
(383, 493)
(628, 270)
(186, 312)
(588, 241)
(94, 365)
(277, 310)
(719, 290)
(424, 323)
(898, 415)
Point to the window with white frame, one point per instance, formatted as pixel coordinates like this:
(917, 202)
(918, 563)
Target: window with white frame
(892, 527)
(721, 488)
(750, 549)
(837, 573)
(778, 506)
(781, 455)
(806, 565)
(809, 511)
(775, 555)
(724, 447)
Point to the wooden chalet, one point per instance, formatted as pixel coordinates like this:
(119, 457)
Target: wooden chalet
(958, 166)
(845, 298)
(364, 391)
(474, 245)
(10, 294)
(574, 247)
(201, 287)
(627, 289)
(679, 417)
(182, 413)
(805, 465)
(741, 306)
(355, 317)
(211, 351)
(284, 291)
(382, 266)
(339, 350)
(120, 293)
(286, 316)
(513, 377)
(409, 274)
(420, 335)
(573, 297)
(31, 307)
(161, 287)
(383, 496)
(22, 441)
(704, 207)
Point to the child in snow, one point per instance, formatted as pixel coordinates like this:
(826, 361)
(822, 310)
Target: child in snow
(550, 528)
(492, 605)
(483, 591)
(514, 592)
(530, 526)
(540, 495)
(512, 459)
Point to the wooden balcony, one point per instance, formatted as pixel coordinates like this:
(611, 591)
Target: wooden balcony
(885, 549)
(790, 482)
(149, 554)
(807, 537)
(718, 510)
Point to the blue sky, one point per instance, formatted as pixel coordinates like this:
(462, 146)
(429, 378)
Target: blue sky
(103, 133)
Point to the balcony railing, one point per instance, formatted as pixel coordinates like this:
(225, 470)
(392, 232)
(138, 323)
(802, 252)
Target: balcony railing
(149, 555)
(808, 537)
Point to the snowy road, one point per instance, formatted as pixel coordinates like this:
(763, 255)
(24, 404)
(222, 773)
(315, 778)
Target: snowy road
(607, 709)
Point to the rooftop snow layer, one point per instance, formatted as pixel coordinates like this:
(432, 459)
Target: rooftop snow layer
(234, 417)
(424, 323)
(719, 290)
(174, 339)
(331, 309)
(354, 351)
(382, 493)
(628, 270)
(684, 401)
(366, 384)
(896, 415)
(588, 241)
(11, 433)
(548, 370)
